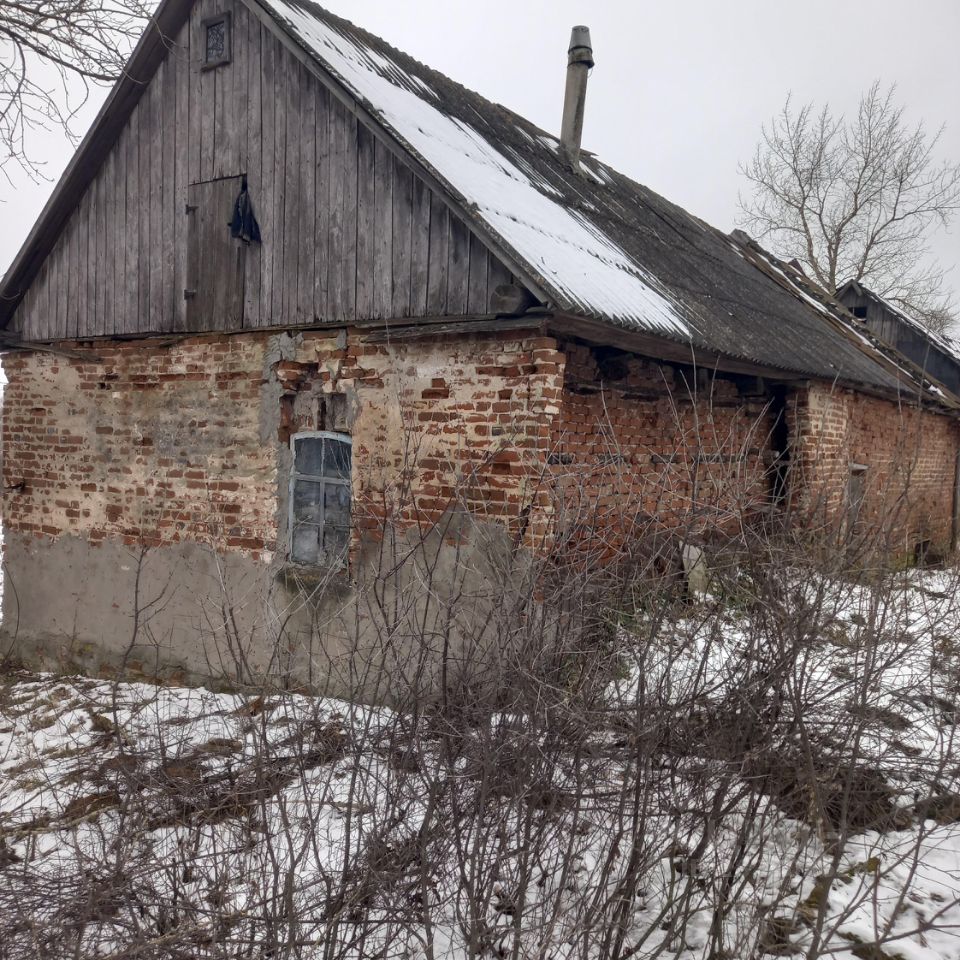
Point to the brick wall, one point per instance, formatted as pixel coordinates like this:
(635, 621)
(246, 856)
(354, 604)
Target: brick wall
(152, 444)
(909, 455)
(637, 439)
(439, 424)
(146, 444)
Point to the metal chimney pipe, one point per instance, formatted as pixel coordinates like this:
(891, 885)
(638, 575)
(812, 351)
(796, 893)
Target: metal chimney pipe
(579, 62)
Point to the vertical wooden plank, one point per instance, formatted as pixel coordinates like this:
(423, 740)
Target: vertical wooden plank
(119, 231)
(477, 293)
(108, 173)
(67, 329)
(107, 176)
(156, 188)
(104, 324)
(207, 101)
(437, 263)
(419, 248)
(54, 330)
(348, 261)
(282, 63)
(402, 221)
(292, 201)
(47, 305)
(268, 191)
(25, 320)
(192, 267)
(95, 327)
(178, 224)
(194, 92)
(235, 252)
(91, 318)
(73, 258)
(145, 108)
(63, 284)
(83, 233)
(41, 316)
(306, 173)
(134, 217)
(321, 220)
(383, 235)
(458, 266)
(227, 111)
(337, 136)
(22, 318)
(254, 265)
(169, 237)
(366, 221)
(236, 120)
(95, 265)
(497, 274)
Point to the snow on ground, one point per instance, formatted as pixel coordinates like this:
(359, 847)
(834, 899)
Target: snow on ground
(219, 816)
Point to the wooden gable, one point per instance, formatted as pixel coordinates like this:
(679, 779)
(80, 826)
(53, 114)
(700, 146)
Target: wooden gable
(350, 232)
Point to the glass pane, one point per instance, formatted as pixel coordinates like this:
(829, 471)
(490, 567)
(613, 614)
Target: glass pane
(336, 459)
(306, 546)
(336, 505)
(336, 542)
(308, 456)
(216, 41)
(307, 502)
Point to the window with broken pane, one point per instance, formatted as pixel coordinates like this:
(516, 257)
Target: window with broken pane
(320, 497)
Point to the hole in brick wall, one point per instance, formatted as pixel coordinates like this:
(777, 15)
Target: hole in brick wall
(332, 413)
(285, 430)
(612, 364)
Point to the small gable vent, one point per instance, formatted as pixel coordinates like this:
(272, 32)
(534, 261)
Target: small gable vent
(216, 41)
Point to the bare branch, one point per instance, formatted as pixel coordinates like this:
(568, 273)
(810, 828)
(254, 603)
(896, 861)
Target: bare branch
(856, 199)
(51, 53)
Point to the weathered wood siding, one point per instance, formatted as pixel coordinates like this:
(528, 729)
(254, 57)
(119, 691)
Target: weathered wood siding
(349, 231)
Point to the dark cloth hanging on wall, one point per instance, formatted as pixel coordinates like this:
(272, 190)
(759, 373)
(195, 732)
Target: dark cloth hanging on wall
(243, 225)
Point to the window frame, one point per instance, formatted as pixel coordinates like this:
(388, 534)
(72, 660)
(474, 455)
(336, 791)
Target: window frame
(205, 24)
(295, 475)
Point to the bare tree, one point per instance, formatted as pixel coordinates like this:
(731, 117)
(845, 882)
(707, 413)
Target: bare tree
(51, 54)
(856, 199)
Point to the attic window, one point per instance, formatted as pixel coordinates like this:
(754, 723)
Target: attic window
(216, 46)
(860, 313)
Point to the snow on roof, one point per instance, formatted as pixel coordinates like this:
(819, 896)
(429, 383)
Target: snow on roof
(594, 242)
(568, 252)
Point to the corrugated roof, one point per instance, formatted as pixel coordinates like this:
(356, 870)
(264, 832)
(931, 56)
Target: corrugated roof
(598, 243)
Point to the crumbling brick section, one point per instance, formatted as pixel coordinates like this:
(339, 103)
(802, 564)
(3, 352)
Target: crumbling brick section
(441, 425)
(907, 457)
(639, 441)
(153, 443)
(146, 444)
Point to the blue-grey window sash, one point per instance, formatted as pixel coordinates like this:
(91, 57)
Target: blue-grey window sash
(336, 485)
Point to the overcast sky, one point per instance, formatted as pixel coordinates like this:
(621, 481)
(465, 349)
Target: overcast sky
(680, 89)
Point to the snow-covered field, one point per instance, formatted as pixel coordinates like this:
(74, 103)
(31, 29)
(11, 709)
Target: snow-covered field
(748, 784)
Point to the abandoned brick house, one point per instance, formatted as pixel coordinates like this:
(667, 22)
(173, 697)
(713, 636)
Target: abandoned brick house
(295, 285)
